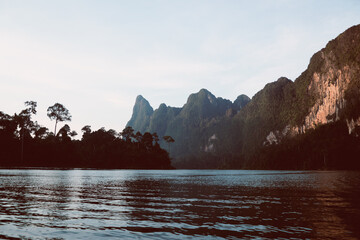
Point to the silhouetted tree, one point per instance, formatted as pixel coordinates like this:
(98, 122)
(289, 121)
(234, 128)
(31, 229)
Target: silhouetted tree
(128, 134)
(23, 119)
(64, 131)
(41, 132)
(138, 136)
(73, 133)
(155, 138)
(86, 131)
(147, 140)
(169, 140)
(7, 125)
(112, 132)
(98, 149)
(24, 122)
(58, 113)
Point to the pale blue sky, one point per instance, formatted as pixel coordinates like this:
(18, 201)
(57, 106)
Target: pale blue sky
(95, 57)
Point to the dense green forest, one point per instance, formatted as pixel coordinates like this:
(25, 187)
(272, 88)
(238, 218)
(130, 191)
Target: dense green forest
(24, 143)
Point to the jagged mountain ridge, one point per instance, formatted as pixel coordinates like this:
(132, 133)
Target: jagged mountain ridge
(187, 124)
(142, 113)
(326, 92)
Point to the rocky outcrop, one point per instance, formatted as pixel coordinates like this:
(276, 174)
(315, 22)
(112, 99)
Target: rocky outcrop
(340, 66)
(141, 115)
(330, 86)
(189, 125)
(330, 72)
(275, 137)
(210, 145)
(240, 102)
(328, 91)
(351, 124)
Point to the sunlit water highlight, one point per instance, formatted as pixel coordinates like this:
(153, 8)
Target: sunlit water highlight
(178, 204)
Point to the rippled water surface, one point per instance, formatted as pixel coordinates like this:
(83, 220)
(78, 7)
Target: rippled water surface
(178, 204)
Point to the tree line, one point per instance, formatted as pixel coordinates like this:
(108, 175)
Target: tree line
(25, 143)
(328, 146)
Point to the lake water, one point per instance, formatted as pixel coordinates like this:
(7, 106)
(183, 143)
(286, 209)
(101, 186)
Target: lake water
(179, 204)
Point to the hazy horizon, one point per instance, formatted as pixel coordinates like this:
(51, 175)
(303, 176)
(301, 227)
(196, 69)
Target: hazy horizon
(95, 57)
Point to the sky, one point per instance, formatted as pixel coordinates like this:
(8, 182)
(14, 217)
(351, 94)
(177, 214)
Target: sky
(96, 56)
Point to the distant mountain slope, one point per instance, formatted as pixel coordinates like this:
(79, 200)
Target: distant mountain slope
(327, 91)
(142, 112)
(187, 125)
(214, 132)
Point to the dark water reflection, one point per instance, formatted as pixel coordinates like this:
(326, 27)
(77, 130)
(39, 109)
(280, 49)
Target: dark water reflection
(84, 204)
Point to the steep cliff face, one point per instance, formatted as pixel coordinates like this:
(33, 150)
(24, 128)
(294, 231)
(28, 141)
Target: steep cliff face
(141, 115)
(323, 89)
(325, 96)
(191, 126)
(161, 118)
(330, 86)
(340, 65)
(266, 114)
(203, 105)
(240, 102)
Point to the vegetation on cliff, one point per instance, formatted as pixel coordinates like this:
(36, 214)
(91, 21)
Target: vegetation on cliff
(192, 125)
(212, 132)
(327, 147)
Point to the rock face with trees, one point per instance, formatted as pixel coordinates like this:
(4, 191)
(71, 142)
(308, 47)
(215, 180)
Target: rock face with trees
(191, 127)
(310, 123)
(24, 143)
